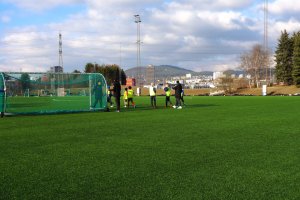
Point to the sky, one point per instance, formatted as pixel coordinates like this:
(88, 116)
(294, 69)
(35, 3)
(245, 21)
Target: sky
(199, 35)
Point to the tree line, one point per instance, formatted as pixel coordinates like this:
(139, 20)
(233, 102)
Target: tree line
(110, 72)
(257, 61)
(287, 58)
(256, 64)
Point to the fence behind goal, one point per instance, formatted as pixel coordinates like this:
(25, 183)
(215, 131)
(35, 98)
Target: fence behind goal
(30, 93)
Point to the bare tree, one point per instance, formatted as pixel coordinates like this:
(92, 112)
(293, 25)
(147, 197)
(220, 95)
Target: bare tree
(226, 83)
(255, 64)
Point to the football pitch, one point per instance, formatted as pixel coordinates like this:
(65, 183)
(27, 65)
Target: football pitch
(214, 148)
(53, 104)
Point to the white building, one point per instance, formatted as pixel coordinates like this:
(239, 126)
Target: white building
(56, 69)
(217, 75)
(188, 76)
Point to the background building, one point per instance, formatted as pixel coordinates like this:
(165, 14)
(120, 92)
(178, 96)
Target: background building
(150, 74)
(218, 75)
(56, 69)
(130, 82)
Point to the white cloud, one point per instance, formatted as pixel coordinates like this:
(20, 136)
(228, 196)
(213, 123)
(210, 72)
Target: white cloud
(226, 20)
(33, 5)
(284, 7)
(196, 34)
(37, 5)
(171, 36)
(117, 8)
(28, 50)
(214, 5)
(223, 67)
(291, 26)
(233, 4)
(235, 44)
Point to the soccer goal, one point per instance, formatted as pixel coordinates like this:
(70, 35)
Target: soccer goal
(39, 93)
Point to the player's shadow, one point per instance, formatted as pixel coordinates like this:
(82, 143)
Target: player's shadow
(138, 108)
(200, 105)
(147, 107)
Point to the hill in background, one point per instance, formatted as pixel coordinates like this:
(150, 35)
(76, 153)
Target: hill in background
(166, 71)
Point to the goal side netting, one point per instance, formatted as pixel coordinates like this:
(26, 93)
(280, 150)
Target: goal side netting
(25, 93)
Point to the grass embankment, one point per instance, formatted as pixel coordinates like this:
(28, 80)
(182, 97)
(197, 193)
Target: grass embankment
(274, 90)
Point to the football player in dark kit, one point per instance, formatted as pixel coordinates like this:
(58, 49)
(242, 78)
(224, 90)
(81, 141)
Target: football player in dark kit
(2, 95)
(178, 91)
(117, 93)
(2, 99)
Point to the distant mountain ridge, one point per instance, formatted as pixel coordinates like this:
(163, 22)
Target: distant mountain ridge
(165, 71)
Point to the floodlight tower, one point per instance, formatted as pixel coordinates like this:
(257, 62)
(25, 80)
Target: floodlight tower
(138, 48)
(60, 61)
(120, 65)
(266, 42)
(60, 57)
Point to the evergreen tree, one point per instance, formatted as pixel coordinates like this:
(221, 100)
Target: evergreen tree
(25, 81)
(123, 77)
(296, 59)
(89, 68)
(110, 72)
(284, 59)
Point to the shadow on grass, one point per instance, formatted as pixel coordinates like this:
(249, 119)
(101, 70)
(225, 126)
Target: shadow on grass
(147, 107)
(200, 105)
(130, 109)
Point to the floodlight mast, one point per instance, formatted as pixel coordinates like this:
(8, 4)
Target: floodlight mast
(266, 42)
(138, 49)
(60, 61)
(60, 52)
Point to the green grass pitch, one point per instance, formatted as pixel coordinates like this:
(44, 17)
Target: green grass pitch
(35, 104)
(23, 105)
(214, 148)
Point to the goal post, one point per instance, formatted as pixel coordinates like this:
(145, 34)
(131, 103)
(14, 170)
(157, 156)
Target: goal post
(39, 93)
(2, 95)
(27, 93)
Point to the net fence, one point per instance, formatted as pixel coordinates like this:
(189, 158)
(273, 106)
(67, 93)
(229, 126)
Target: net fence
(29, 93)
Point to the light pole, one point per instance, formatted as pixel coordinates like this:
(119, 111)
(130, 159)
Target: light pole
(266, 42)
(120, 66)
(138, 48)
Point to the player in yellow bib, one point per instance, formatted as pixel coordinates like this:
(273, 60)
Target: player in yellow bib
(130, 97)
(125, 97)
(152, 93)
(168, 95)
(109, 95)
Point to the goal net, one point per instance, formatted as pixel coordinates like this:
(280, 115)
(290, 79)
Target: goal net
(29, 93)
